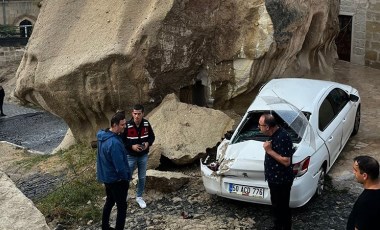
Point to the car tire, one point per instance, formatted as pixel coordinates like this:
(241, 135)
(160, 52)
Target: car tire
(321, 181)
(355, 130)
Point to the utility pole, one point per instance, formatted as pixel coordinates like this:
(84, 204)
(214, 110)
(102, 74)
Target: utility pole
(4, 16)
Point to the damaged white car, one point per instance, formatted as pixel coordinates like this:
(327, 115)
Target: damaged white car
(320, 117)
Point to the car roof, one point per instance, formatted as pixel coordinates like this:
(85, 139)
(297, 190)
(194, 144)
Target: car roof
(300, 92)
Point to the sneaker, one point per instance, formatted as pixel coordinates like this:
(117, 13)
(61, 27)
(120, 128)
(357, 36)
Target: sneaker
(141, 202)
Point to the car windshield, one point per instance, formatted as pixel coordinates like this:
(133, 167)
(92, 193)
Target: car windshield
(249, 129)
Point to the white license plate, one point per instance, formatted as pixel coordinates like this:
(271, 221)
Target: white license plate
(245, 190)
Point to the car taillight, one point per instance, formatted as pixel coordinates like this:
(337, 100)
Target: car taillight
(301, 167)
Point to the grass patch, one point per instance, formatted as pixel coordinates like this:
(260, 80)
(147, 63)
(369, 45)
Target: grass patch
(76, 200)
(29, 161)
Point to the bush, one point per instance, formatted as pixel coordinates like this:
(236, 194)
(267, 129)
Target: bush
(76, 200)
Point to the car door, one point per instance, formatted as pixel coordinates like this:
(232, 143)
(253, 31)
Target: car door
(330, 126)
(344, 111)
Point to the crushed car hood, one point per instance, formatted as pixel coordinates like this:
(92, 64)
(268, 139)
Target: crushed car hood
(247, 156)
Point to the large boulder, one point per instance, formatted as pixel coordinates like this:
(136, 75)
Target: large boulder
(165, 181)
(185, 131)
(110, 54)
(17, 211)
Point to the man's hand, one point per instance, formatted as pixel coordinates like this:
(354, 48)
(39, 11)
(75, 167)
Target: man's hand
(280, 159)
(267, 146)
(138, 148)
(145, 145)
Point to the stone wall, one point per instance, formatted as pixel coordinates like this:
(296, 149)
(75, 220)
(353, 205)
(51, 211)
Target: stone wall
(10, 54)
(357, 9)
(372, 54)
(16, 11)
(365, 44)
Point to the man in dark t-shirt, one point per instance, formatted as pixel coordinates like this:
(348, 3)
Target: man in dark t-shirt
(366, 211)
(278, 169)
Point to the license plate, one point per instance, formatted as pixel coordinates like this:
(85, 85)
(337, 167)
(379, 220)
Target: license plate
(245, 190)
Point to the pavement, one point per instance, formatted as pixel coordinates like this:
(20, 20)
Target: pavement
(12, 110)
(31, 128)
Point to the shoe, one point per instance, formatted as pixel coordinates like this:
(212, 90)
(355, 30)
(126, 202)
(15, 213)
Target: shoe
(141, 202)
(3, 115)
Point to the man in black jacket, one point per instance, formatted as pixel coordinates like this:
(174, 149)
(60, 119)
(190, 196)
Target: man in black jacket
(2, 95)
(138, 136)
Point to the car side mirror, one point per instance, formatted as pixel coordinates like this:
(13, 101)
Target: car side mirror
(354, 98)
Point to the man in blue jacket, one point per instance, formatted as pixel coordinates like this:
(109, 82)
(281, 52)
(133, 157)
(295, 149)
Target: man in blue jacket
(113, 170)
(138, 136)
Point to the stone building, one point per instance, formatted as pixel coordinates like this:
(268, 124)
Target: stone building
(17, 18)
(21, 13)
(359, 38)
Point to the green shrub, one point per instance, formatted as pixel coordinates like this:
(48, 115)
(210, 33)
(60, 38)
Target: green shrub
(75, 201)
(9, 31)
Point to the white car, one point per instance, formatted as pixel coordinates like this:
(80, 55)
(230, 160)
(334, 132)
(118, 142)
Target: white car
(332, 114)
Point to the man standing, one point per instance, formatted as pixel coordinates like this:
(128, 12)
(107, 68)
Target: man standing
(113, 170)
(138, 137)
(366, 211)
(2, 95)
(278, 169)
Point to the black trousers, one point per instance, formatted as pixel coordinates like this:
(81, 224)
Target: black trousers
(116, 193)
(280, 196)
(2, 95)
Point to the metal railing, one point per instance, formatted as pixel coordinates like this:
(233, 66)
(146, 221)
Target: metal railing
(15, 31)
(15, 35)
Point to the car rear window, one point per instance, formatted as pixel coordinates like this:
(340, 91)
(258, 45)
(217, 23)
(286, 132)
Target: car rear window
(249, 130)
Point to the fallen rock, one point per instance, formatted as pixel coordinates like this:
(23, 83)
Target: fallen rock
(111, 54)
(184, 131)
(154, 154)
(17, 211)
(165, 181)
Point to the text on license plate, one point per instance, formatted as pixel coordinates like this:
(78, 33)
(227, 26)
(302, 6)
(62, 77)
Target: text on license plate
(246, 190)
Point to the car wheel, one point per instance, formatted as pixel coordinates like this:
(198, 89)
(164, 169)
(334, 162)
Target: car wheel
(357, 122)
(321, 181)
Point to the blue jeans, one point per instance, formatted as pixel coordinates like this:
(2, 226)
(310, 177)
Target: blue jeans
(141, 163)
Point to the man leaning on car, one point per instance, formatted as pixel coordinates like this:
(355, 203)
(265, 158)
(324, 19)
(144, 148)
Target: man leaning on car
(278, 169)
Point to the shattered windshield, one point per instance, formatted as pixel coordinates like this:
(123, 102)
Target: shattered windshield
(249, 129)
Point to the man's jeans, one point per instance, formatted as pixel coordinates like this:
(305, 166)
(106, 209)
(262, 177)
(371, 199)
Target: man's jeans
(141, 163)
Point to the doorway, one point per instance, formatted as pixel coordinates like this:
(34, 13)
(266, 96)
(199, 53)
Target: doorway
(343, 40)
(193, 94)
(25, 28)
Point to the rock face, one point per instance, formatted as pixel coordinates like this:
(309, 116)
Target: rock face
(17, 211)
(184, 131)
(116, 53)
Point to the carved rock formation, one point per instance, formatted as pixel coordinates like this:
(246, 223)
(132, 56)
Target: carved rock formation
(114, 53)
(17, 211)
